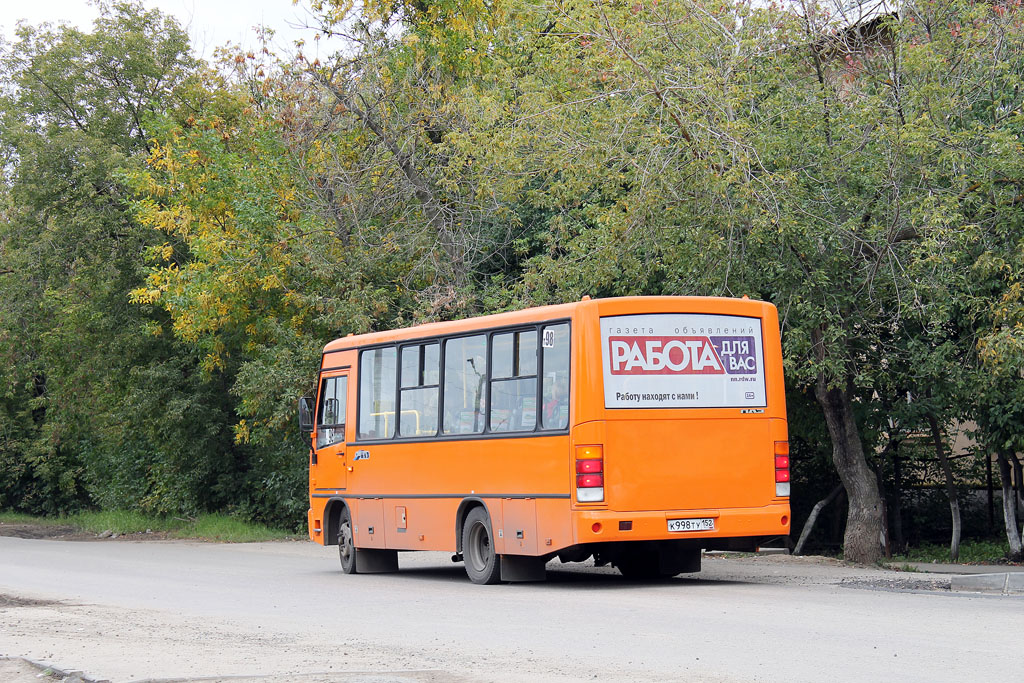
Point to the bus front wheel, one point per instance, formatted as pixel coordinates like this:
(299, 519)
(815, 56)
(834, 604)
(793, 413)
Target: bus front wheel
(346, 543)
(482, 564)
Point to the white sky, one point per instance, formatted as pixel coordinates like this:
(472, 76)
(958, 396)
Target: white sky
(210, 23)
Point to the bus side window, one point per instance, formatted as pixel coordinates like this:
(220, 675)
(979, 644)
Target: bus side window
(514, 382)
(330, 424)
(377, 378)
(555, 384)
(420, 371)
(465, 371)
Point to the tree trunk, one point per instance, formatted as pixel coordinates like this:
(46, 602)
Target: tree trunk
(1018, 478)
(839, 519)
(864, 512)
(813, 518)
(1013, 534)
(947, 472)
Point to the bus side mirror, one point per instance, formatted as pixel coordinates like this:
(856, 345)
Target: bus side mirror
(306, 414)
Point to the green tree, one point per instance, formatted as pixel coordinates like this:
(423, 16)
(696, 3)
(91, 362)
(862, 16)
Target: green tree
(685, 147)
(101, 411)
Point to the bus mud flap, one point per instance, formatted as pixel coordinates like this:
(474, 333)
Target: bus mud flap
(515, 568)
(678, 557)
(369, 561)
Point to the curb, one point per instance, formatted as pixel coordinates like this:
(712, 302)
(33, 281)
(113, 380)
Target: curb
(1008, 583)
(72, 676)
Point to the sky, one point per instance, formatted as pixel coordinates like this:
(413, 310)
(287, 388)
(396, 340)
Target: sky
(210, 23)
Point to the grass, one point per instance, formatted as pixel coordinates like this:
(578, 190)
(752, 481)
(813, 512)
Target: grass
(234, 530)
(19, 518)
(209, 527)
(971, 552)
(122, 522)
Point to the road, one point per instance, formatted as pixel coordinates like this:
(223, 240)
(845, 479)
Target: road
(128, 611)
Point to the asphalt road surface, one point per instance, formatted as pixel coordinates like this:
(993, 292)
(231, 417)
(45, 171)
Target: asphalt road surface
(171, 610)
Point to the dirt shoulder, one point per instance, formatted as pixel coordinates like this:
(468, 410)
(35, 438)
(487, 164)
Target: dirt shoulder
(18, 670)
(63, 532)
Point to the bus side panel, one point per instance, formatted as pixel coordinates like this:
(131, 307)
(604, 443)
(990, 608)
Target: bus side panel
(429, 479)
(554, 525)
(519, 524)
(535, 526)
(510, 467)
(420, 523)
(369, 530)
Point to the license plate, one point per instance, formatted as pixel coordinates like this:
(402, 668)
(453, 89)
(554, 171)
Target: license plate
(702, 524)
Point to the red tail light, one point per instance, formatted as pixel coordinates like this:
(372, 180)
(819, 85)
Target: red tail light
(782, 469)
(589, 481)
(589, 474)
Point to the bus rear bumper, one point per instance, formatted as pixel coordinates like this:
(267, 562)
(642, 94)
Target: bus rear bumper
(605, 526)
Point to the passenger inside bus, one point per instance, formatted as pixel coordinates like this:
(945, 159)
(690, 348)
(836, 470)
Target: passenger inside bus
(556, 404)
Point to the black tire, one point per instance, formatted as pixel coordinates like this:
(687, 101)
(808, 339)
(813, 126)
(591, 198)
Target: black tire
(482, 564)
(346, 543)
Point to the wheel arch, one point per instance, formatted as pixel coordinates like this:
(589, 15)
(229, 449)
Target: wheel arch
(465, 506)
(332, 519)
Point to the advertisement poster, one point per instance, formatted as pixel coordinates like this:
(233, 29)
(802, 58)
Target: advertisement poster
(682, 360)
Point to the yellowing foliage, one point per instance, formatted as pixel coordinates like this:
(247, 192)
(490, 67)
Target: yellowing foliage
(229, 206)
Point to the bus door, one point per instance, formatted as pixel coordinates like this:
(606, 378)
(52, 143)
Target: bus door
(329, 470)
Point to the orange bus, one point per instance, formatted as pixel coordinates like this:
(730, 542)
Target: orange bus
(637, 431)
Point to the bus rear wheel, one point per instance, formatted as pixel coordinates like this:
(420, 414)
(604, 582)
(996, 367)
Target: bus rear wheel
(346, 544)
(482, 564)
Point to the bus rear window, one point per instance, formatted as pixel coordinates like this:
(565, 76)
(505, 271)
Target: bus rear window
(682, 360)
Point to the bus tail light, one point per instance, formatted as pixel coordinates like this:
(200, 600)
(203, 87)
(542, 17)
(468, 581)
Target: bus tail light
(782, 469)
(589, 474)
(589, 481)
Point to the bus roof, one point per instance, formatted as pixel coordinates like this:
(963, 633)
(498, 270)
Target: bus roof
(638, 304)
